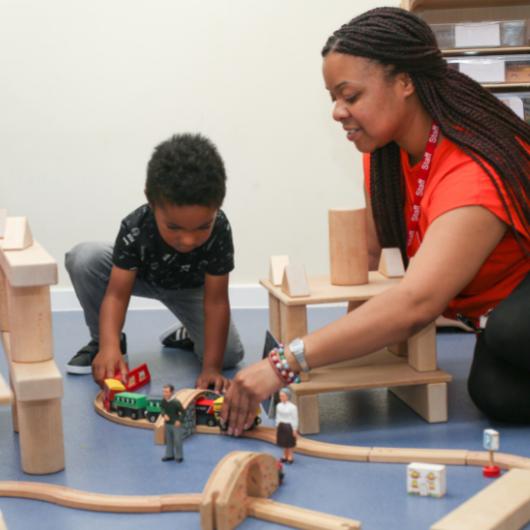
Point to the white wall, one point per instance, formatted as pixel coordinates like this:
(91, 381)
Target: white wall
(88, 88)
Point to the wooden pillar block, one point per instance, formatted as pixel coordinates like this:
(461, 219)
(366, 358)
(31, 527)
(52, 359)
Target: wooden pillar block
(160, 431)
(348, 250)
(422, 349)
(274, 317)
(308, 413)
(276, 269)
(429, 401)
(30, 324)
(41, 436)
(36, 381)
(4, 313)
(293, 322)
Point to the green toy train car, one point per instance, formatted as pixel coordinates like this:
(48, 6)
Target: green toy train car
(136, 406)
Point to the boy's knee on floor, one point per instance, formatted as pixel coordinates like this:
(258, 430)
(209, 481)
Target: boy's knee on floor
(83, 257)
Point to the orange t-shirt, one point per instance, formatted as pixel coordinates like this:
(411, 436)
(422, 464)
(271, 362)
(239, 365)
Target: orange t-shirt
(455, 180)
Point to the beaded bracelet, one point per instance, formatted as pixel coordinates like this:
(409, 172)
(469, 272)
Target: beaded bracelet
(281, 366)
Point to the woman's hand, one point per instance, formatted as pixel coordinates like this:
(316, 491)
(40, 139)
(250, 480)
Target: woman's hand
(249, 387)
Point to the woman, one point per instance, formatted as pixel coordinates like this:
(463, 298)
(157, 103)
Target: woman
(448, 182)
(286, 425)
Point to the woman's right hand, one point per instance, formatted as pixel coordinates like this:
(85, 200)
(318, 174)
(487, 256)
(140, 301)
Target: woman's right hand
(249, 387)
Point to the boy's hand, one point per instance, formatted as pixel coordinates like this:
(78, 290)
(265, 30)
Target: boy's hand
(212, 378)
(106, 363)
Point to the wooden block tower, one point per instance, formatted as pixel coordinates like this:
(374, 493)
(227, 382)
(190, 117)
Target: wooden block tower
(26, 273)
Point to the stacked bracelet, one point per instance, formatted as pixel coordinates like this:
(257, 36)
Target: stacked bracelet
(281, 366)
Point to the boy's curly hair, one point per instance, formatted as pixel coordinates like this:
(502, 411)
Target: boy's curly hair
(185, 170)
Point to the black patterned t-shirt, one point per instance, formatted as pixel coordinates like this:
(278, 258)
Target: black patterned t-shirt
(140, 247)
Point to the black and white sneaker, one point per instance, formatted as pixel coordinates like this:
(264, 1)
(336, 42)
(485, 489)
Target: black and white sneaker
(81, 362)
(177, 337)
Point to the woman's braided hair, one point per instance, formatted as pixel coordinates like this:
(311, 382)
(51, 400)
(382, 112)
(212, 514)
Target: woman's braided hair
(469, 116)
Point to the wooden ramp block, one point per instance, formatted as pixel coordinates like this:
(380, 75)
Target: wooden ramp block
(3, 219)
(276, 268)
(28, 267)
(17, 234)
(276, 512)
(422, 349)
(294, 281)
(429, 401)
(30, 324)
(503, 505)
(391, 263)
(41, 436)
(36, 381)
(6, 396)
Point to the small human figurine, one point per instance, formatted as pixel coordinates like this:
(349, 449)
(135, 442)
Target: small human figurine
(286, 425)
(173, 413)
(492, 444)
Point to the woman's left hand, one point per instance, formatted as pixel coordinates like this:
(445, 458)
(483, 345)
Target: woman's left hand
(249, 387)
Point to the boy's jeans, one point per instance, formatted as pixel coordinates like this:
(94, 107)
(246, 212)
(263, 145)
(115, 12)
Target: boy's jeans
(89, 266)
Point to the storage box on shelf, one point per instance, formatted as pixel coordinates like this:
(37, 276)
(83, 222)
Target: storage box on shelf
(519, 102)
(491, 69)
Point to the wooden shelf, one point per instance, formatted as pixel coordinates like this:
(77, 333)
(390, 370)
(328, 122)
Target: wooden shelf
(507, 87)
(414, 5)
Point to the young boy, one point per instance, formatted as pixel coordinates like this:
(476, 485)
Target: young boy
(177, 249)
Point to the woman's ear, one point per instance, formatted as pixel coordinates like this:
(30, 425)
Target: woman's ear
(405, 83)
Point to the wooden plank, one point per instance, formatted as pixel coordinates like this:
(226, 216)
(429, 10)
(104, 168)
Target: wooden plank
(276, 512)
(323, 292)
(503, 505)
(36, 381)
(430, 456)
(29, 267)
(17, 234)
(429, 401)
(377, 370)
(41, 436)
(30, 323)
(421, 349)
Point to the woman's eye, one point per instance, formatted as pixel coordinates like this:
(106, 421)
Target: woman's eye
(351, 99)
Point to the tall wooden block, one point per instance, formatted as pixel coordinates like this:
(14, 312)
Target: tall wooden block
(4, 320)
(294, 281)
(276, 268)
(429, 401)
(293, 322)
(422, 349)
(41, 436)
(5, 392)
(308, 413)
(348, 250)
(391, 263)
(30, 324)
(17, 234)
(274, 317)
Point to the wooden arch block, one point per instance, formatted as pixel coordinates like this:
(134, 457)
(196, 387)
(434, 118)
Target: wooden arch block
(294, 281)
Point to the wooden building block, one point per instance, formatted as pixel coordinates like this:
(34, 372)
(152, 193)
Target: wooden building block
(36, 381)
(274, 317)
(6, 396)
(41, 436)
(422, 349)
(308, 412)
(160, 431)
(3, 218)
(4, 314)
(17, 234)
(400, 349)
(294, 281)
(391, 263)
(28, 267)
(30, 324)
(276, 268)
(429, 401)
(503, 505)
(293, 322)
(292, 516)
(348, 250)
(406, 455)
